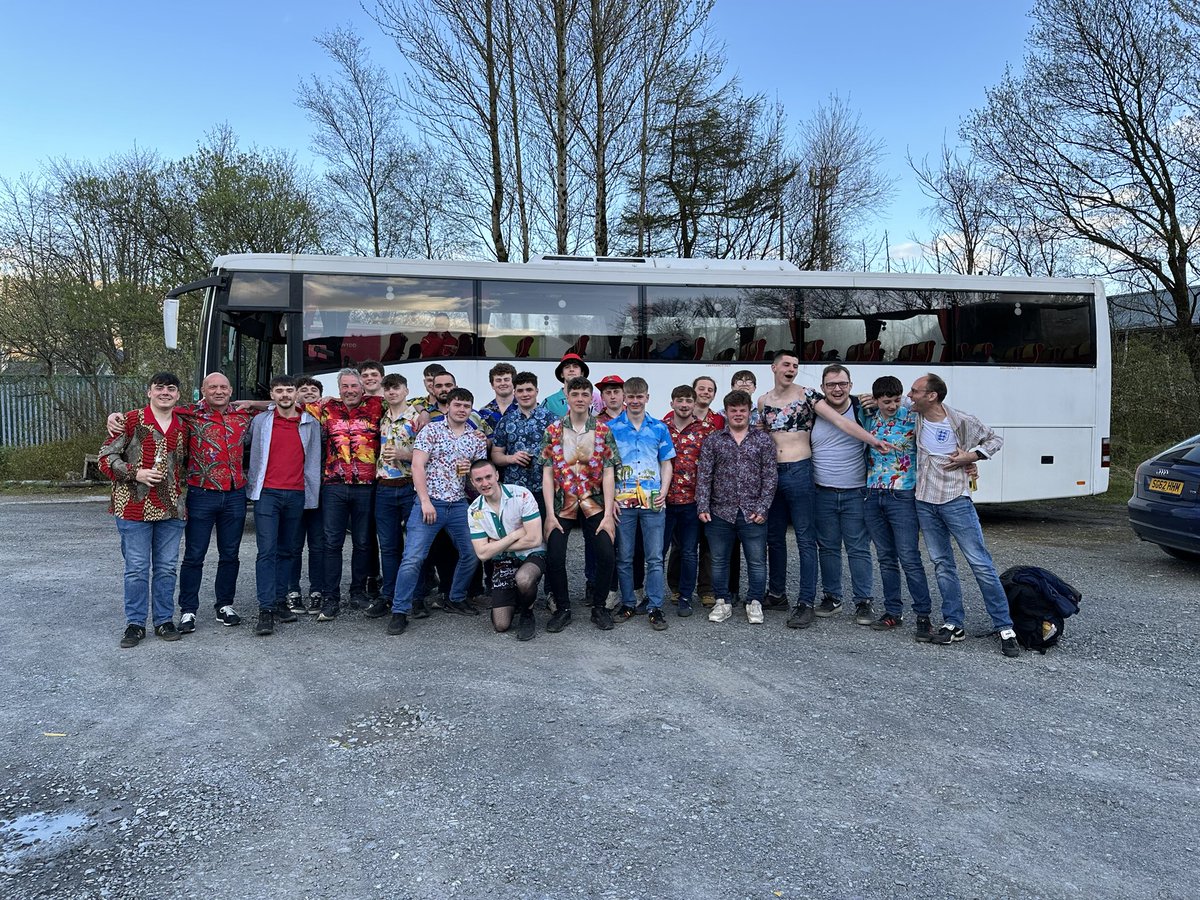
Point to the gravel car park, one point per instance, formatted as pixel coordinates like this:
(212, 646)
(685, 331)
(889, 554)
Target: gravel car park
(708, 761)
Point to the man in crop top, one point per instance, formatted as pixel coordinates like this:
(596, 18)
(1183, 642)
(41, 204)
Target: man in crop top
(787, 413)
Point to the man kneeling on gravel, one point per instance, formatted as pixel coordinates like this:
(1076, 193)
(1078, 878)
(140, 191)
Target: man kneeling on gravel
(506, 528)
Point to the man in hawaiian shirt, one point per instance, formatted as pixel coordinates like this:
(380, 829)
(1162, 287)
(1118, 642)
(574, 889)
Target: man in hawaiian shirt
(578, 456)
(442, 455)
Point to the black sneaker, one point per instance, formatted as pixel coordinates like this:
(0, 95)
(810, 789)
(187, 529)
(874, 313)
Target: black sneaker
(657, 620)
(624, 613)
(226, 616)
(187, 623)
(801, 617)
(829, 606)
(886, 622)
(359, 600)
(294, 602)
(314, 602)
(378, 608)
(924, 632)
(642, 608)
(559, 620)
(460, 608)
(419, 609)
(283, 613)
(167, 631)
(685, 608)
(398, 623)
(602, 618)
(948, 634)
(775, 601)
(132, 636)
(863, 614)
(525, 626)
(1008, 643)
(330, 607)
(266, 622)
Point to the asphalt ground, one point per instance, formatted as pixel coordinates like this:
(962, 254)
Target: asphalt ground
(330, 760)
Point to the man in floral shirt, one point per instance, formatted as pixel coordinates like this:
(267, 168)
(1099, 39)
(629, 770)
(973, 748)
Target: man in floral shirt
(350, 426)
(682, 525)
(736, 477)
(442, 456)
(517, 438)
(578, 456)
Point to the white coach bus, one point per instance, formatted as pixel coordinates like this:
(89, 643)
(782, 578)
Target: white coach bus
(1029, 356)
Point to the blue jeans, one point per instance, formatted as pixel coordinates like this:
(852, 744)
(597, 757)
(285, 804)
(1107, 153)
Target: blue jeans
(451, 516)
(653, 524)
(722, 538)
(683, 524)
(840, 520)
(225, 511)
(346, 505)
(150, 548)
(958, 519)
(277, 516)
(312, 530)
(393, 506)
(892, 520)
(793, 505)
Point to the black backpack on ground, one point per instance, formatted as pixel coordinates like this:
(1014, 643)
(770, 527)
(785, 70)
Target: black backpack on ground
(1038, 601)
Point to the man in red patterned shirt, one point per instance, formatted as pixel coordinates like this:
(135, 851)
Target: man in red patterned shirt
(146, 460)
(683, 525)
(216, 496)
(350, 425)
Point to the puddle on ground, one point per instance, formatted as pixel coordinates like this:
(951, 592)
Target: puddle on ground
(39, 833)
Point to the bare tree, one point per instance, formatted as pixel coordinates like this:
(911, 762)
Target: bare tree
(457, 91)
(963, 205)
(845, 187)
(1098, 138)
(359, 135)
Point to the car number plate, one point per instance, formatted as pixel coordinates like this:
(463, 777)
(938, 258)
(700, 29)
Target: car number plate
(1162, 486)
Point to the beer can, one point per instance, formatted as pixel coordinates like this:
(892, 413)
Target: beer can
(652, 496)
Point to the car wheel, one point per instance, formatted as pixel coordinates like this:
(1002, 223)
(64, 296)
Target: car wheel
(1185, 555)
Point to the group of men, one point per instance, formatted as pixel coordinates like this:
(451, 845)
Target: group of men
(431, 488)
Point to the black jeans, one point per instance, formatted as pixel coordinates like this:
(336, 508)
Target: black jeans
(556, 554)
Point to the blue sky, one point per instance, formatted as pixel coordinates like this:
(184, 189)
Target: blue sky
(84, 80)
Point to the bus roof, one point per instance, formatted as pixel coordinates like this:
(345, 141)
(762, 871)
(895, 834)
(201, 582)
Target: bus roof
(651, 270)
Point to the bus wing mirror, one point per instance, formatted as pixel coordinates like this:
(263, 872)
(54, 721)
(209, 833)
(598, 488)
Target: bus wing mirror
(171, 322)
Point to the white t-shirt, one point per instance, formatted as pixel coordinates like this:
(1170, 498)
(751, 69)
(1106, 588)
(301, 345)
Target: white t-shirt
(517, 507)
(938, 438)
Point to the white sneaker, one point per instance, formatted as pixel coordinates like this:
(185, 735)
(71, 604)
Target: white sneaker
(720, 611)
(612, 601)
(754, 613)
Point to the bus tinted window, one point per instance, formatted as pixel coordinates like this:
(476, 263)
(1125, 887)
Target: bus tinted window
(256, 289)
(1025, 329)
(884, 325)
(351, 318)
(714, 323)
(544, 320)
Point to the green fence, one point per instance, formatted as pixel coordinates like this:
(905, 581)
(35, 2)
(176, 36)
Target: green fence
(38, 409)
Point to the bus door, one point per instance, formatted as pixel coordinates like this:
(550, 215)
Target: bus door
(256, 331)
(252, 348)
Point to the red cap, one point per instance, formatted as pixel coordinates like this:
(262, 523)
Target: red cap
(610, 381)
